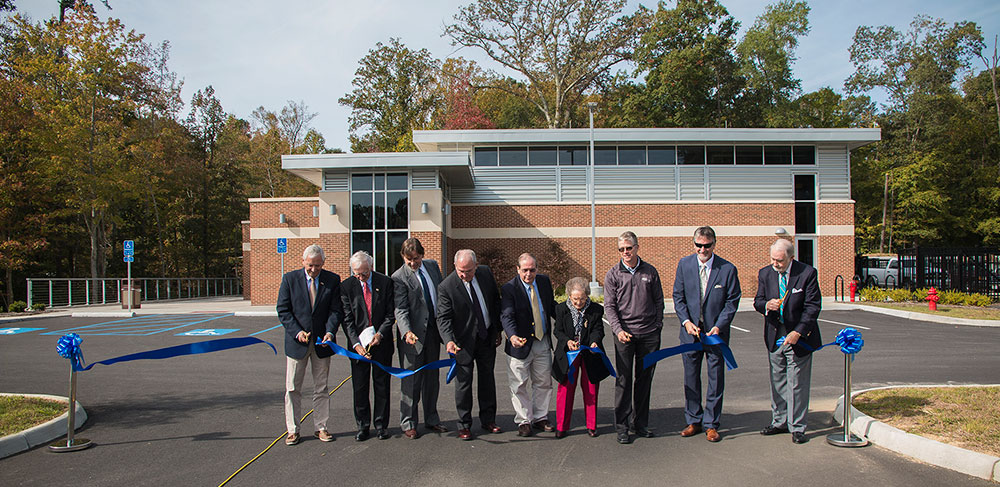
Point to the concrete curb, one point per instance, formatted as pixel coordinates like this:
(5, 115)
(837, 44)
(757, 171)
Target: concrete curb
(15, 319)
(43, 433)
(924, 449)
(256, 313)
(103, 314)
(910, 315)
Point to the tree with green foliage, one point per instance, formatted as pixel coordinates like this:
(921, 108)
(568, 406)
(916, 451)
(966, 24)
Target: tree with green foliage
(394, 93)
(560, 47)
(766, 54)
(692, 77)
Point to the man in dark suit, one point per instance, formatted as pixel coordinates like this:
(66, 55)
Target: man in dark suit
(368, 303)
(468, 316)
(706, 295)
(788, 296)
(526, 311)
(309, 308)
(416, 283)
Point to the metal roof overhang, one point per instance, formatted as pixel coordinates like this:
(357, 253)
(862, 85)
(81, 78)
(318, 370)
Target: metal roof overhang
(437, 140)
(455, 167)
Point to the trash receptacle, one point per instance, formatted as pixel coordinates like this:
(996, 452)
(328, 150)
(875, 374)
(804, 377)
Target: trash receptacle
(133, 296)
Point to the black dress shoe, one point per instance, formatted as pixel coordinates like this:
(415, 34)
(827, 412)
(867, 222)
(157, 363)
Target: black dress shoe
(644, 433)
(799, 437)
(491, 428)
(464, 434)
(560, 434)
(772, 430)
(524, 430)
(543, 425)
(382, 434)
(624, 438)
(362, 435)
(592, 433)
(437, 428)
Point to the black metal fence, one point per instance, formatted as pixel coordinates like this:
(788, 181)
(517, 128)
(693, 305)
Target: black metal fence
(971, 270)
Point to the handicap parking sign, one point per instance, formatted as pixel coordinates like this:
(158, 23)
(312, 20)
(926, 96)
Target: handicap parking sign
(128, 247)
(282, 245)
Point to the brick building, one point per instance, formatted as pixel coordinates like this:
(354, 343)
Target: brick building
(503, 192)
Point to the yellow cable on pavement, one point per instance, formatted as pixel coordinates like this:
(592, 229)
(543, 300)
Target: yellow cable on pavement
(279, 438)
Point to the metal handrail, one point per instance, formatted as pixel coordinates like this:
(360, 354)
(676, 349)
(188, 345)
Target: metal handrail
(82, 291)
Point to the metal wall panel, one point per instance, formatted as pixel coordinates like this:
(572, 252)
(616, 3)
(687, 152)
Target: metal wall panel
(692, 182)
(335, 180)
(749, 183)
(634, 183)
(833, 176)
(424, 179)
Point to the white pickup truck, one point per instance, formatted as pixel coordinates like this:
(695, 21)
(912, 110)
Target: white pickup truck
(880, 271)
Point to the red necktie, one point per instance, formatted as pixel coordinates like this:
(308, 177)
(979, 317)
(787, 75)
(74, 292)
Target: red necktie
(368, 300)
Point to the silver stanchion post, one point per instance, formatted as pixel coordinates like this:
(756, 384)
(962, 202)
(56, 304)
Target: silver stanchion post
(71, 444)
(846, 439)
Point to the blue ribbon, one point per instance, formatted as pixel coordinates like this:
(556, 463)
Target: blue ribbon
(395, 371)
(69, 347)
(706, 340)
(848, 339)
(571, 355)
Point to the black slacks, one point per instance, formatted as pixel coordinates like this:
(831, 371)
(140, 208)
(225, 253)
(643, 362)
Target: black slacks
(632, 399)
(363, 374)
(484, 357)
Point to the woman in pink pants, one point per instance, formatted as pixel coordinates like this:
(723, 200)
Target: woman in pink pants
(578, 322)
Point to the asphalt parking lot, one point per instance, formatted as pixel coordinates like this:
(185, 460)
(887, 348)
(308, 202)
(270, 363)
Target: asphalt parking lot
(195, 420)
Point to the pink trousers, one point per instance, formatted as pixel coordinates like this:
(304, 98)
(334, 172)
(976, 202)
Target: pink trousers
(564, 399)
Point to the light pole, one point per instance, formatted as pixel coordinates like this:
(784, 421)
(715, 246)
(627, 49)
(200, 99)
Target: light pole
(595, 288)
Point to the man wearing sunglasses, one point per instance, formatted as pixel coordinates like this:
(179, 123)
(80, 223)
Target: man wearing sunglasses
(633, 305)
(706, 295)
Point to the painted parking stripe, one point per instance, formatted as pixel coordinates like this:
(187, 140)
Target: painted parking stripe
(738, 328)
(262, 331)
(207, 332)
(143, 325)
(16, 331)
(843, 324)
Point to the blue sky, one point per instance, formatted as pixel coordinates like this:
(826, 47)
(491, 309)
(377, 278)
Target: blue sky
(264, 53)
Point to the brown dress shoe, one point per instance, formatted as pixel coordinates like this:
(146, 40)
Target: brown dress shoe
(712, 435)
(410, 433)
(691, 430)
(464, 434)
(492, 428)
(324, 435)
(543, 425)
(524, 430)
(292, 439)
(437, 428)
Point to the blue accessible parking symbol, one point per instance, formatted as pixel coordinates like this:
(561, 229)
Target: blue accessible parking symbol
(207, 332)
(15, 331)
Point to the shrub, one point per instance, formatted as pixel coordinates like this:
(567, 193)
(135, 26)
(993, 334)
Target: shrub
(17, 306)
(38, 307)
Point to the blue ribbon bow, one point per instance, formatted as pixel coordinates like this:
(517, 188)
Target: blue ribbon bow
(572, 355)
(848, 339)
(69, 347)
(706, 340)
(395, 371)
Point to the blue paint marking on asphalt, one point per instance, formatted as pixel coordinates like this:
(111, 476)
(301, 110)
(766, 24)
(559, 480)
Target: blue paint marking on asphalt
(207, 332)
(16, 331)
(262, 331)
(143, 325)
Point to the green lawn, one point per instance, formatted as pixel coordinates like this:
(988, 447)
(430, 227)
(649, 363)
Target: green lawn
(18, 413)
(962, 416)
(969, 312)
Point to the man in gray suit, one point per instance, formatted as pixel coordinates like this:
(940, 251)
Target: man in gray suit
(417, 337)
(789, 298)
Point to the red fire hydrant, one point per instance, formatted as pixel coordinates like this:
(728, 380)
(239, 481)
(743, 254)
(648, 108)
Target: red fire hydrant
(932, 299)
(854, 288)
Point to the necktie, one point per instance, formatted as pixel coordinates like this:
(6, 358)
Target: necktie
(477, 313)
(536, 313)
(703, 274)
(782, 287)
(427, 297)
(312, 292)
(368, 300)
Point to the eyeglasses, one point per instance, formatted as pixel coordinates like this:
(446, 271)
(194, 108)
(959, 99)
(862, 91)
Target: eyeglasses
(625, 249)
(704, 245)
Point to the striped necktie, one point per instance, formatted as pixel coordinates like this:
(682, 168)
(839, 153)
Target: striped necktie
(782, 291)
